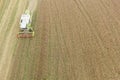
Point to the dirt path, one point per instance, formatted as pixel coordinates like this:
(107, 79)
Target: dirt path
(32, 5)
(74, 40)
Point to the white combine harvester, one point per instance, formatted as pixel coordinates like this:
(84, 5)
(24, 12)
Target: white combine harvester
(26, 31)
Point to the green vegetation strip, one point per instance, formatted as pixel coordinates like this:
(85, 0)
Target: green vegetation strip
(6, 33)
(12, 18)
(3, 8)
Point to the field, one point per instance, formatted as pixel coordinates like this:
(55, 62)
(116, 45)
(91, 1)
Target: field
(74, 40)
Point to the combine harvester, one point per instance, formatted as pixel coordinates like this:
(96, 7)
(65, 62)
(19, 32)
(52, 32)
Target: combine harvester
(26, 30)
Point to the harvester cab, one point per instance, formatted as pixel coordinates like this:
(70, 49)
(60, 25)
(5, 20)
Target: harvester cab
(26, 30)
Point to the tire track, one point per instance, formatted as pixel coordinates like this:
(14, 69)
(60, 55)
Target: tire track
(104, 50)
(64, 47)
(113, 19)
(98, 38)
(90, 23)
(112, 29)
(53, 73)
(115, 41)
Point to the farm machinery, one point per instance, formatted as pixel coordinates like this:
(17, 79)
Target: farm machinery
(26, 30)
